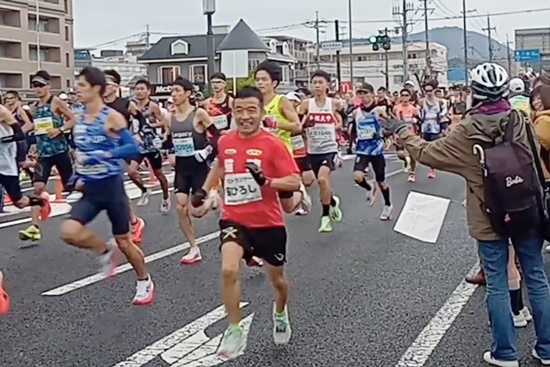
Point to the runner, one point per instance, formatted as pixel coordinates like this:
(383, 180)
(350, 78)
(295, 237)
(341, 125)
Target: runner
(10, 134)
(370, 148)
(102, 140)
(518, 98)
(52, 146)
(188, 127)
(406, 111)
(150, 145)
(219, 105)
(12, 103)
(128, 109)
(252, 220)
(320, 124)
(431, 116)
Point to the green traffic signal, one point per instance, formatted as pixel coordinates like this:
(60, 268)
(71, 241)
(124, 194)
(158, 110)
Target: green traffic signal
(373, 39)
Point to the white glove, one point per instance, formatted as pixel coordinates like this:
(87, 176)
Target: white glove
(202, 155)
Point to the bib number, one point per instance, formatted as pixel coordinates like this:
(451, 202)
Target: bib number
(184, 147)
(298, 142)
(320, 133)
(366, 133)
(220, 122)
(240, 188)
(43, 125)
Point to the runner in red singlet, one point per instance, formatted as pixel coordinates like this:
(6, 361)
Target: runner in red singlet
(255, 167)
(219, 105)
(406, 111)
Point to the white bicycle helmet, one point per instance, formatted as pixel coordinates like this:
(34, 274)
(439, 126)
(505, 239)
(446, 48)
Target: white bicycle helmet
(490, 82)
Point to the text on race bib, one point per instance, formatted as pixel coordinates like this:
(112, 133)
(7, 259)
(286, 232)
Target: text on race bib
(220, 122)
(366, 132)
(184, 147)
(321, 132)
(240, 188)
(298, 142)
(43, 125)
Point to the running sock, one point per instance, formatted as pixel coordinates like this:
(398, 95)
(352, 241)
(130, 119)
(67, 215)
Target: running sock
(520, 299)
(386, 195)
(326, 210)
(515, 300)
(364, 184)
(332, 201)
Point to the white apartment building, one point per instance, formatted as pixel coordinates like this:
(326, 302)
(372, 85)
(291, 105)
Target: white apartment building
(369, 65)
(126, 65)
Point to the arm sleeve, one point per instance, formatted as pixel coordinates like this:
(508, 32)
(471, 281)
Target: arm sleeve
(127, 148)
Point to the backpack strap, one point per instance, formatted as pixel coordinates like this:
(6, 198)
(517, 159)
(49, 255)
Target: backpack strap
(533, 146)
(509, 131)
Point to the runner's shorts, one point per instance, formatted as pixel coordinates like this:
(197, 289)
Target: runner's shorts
(266, 243)
(107, 194)
(62, 162)
(12, 187)
(303, 163)
(154, 159)
(190, 175)
(319, 160)
(378, 163)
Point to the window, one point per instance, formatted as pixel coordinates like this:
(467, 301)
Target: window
(68, 83)
(197, 73)
(33, 55)
(253, 64)
(286, 74)
(67, 60)
(67, 38)
(398, 79)
(273, 46)
(43, 24)
(168, 74)
(66, 5)
(286, 49)
(179, 47)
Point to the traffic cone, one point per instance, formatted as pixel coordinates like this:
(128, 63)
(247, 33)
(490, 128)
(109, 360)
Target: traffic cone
(59, 192)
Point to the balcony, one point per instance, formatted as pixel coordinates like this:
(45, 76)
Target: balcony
(11, 81)
(46, 24)
(47, 54)
(10, 18)
(10, 50)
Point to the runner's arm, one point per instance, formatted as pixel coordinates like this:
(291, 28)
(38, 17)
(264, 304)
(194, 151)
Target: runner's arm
(27, 126)
(303, 110)
(214, 176)
(288, 111)
(287, 170)
(128, 147)
(7, 118)
(336, 108)
(157, 114)
(62, 109)
(206, 121)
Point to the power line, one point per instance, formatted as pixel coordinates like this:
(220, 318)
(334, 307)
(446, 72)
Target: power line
(489, 29)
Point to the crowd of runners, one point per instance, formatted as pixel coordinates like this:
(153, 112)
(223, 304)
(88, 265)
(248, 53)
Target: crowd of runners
(258, 152)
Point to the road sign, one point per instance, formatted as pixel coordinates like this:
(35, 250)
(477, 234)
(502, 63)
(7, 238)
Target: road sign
(332, 45)
(527, 55)
(188, 346)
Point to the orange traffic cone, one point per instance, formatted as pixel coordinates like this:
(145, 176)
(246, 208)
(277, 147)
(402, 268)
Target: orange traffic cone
(59, 192)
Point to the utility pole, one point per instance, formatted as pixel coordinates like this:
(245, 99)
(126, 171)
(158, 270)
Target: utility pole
(489, 39)
(147, 36)
(385, 32)
(509, 54)
(465, 35)
(350, 20)
(427, 37)
(338, 66)
(209, 8)
(401, 15)
(38, 52)
(318, 25)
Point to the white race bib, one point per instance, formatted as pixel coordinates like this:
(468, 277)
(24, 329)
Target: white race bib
(366, 133)
(240, 188)
(298, 142)
(43, 125)
(220, 122)
(184, 147)
(319, 134)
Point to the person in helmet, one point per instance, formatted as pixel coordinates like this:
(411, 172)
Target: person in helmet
(489, 116)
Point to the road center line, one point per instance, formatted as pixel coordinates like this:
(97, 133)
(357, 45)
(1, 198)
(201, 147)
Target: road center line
(429, 338)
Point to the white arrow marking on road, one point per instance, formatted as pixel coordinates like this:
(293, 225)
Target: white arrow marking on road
(188, 346)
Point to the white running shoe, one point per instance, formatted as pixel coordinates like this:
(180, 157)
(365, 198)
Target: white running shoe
(144, 198)
(145, 292)
(386, 213)
(165, 206)
(192, 257)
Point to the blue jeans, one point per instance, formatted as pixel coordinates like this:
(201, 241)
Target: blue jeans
(494, 257)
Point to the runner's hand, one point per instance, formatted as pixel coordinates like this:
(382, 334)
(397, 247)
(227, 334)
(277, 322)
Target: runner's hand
(198, 198)
(392, 124)
(256, 173)
(54, 133)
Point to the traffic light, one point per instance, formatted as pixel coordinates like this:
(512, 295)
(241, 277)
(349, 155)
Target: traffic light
(377, 41)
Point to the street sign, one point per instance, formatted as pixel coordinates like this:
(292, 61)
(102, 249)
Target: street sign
(527, 55)
(332, 45)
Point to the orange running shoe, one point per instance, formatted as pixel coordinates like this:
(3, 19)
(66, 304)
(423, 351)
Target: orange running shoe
(4, 298)
(137, 231)
(46, 209)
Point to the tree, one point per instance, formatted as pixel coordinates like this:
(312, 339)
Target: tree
(242, 82)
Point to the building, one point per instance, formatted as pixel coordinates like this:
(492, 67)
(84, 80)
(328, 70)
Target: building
(302, 52)
(535, 39)
(186, 56)
(369, 66)
(23, 50)
(126, 65)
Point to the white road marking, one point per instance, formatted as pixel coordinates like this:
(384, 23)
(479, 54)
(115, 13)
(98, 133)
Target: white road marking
(422, 216)
(184, 346)
(59, 291)
(63, 208)
(429, 338)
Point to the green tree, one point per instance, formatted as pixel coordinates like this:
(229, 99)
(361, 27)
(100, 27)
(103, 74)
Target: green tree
(250, 81)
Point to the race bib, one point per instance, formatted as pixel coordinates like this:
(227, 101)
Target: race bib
(297, 142)
(321, 133)
(240, 188)
(184, 147)
(88, 170)
(366, 133)
(43, 125)
(220, 122)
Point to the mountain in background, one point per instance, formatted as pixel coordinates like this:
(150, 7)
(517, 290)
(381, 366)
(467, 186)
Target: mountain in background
(451, 37)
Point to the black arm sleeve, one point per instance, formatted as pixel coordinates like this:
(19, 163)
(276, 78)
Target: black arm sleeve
(18, 134)
(215, 136)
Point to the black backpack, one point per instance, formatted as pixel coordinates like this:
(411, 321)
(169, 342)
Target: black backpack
(510, 184)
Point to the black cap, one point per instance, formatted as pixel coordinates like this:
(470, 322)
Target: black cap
(186, 84)
(41, 77)
(365, 88)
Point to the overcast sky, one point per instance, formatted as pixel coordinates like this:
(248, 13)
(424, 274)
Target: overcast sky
(100, 22)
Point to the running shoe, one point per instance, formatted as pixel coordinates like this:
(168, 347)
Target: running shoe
(326, 225)
(144, 198)
(32, 233)
(412, 177)
(145, 292)
(165, 206)
(431, 175)
(4, 298)
(282, 331)
(233, 342)
(386, 213)
(192, 257)
(334, 211)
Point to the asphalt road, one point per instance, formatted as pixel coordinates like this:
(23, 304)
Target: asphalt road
(363, 295)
